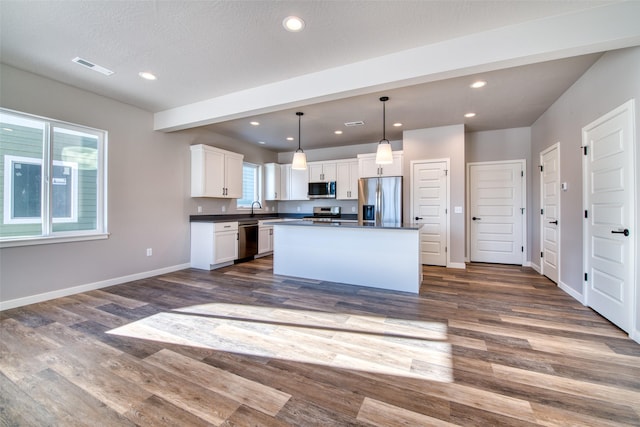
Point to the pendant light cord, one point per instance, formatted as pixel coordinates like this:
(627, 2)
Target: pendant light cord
(299, 114)
(384, 99)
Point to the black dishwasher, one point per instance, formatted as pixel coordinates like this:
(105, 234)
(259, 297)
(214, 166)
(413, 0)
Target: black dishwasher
(247, 239)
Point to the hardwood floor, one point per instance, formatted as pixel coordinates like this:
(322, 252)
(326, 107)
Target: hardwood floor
(490, 345)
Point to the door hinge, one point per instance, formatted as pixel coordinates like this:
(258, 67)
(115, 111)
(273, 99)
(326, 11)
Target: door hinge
(446, 172)
(586, 277)
(541, 255)
(446, 211)
(445, 249)
(522, 211)
(541, 211)
(521, 248)
(584, 150)
(586, 213)
(541, 168)
(522, 173)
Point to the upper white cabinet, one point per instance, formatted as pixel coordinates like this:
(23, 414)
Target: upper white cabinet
(294, 183)
(273, 182)
(215, 172)
(347, 180)
(322, 171)
(368, 167)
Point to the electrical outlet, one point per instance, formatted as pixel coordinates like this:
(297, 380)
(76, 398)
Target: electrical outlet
(224, 209)
(298, 208)
(353, 208)
(199, 209)
(149, 251)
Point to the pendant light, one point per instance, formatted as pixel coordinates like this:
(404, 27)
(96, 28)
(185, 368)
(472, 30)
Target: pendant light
(299, 158)
(383, 154)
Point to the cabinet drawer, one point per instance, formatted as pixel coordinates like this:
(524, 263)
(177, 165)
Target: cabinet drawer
(224, 226)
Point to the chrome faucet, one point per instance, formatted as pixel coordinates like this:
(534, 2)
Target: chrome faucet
(260, 206)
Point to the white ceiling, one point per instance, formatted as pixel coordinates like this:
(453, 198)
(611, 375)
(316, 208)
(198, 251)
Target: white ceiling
(215, 50)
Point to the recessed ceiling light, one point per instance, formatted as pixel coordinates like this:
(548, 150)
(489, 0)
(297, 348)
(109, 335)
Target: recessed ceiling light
(470, 115)
(147, 75)
(261, 142)
(478, 84)
(254, 123)
(397, 124)
(293, 24)
(289, 138)
(338, 132)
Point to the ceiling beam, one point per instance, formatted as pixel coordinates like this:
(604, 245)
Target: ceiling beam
(613, 26)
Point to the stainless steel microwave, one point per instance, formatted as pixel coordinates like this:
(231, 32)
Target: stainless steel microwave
(322, 190)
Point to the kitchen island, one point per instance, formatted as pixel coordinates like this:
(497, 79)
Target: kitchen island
(383, 256)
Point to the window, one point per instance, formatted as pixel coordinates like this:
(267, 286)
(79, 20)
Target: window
(251, 180)
(52, 180)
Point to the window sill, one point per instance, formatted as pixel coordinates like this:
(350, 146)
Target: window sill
(39, 240)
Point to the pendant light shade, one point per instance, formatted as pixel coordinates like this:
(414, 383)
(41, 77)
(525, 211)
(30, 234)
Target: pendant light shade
(383, 153)
(299, 158)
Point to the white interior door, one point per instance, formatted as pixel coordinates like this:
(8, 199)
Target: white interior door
(429, 207)
(609, 194)
(496, 207)
(550, 213)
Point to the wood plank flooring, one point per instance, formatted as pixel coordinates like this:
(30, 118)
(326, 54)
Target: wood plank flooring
(490, 345)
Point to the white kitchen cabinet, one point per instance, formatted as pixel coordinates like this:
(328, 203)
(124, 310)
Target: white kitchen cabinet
(213, 244)
(368, 168)
(215, 172)
(347, 180)
(273, 182)
(322, 171)
(295, 183)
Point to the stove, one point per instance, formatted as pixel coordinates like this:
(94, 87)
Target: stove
(324, 214)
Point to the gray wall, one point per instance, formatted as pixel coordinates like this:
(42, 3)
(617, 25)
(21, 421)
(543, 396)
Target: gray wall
(506, 144)
(611, 81)
(439, 143)
(148, 192)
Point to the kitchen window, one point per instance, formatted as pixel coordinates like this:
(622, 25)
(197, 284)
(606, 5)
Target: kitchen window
(251, 184)
(52, 179)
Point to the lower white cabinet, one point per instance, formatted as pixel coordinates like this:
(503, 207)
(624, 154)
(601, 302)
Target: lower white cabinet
(265, 239)
(213, 244)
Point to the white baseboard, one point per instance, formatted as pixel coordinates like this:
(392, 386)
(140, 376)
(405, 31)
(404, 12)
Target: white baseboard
(32, 299)
(461, 265)
(572, 292)
(536, 267)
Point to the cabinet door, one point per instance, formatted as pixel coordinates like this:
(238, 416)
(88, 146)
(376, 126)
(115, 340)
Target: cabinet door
(394, 169)
(207, 173)
(347, 180)
(233, 176)
(368, 167)
(285, 182)
(315, 172)
(329, 172)
(225, 246)
(299, 185)
(265, 239)
(272, 181)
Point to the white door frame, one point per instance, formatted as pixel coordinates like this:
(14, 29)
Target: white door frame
(634, 328)
(555, 146)
(447, 203)
(523, 164)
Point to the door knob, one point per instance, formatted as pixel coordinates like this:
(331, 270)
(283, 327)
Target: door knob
(554, 222)
(625, 232)
(475, 218)
(417, 218)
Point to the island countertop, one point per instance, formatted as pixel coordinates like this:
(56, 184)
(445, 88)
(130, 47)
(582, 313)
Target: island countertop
(351, 224)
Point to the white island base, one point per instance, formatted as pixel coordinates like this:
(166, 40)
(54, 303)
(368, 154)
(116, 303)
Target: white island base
(379, 257)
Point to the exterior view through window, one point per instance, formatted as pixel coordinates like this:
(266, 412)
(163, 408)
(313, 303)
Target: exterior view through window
(52, 178)
(250, 185)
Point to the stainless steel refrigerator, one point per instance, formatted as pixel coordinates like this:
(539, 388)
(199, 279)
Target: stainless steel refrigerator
(380, 200)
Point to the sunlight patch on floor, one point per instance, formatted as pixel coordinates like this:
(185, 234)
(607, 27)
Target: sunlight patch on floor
(382, 345)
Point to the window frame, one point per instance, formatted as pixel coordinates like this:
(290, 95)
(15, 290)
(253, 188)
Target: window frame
(48, 235)
(258, 187)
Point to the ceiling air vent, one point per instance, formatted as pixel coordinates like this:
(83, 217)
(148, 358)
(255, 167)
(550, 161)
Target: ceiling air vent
(92, 66)
(358, 123)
